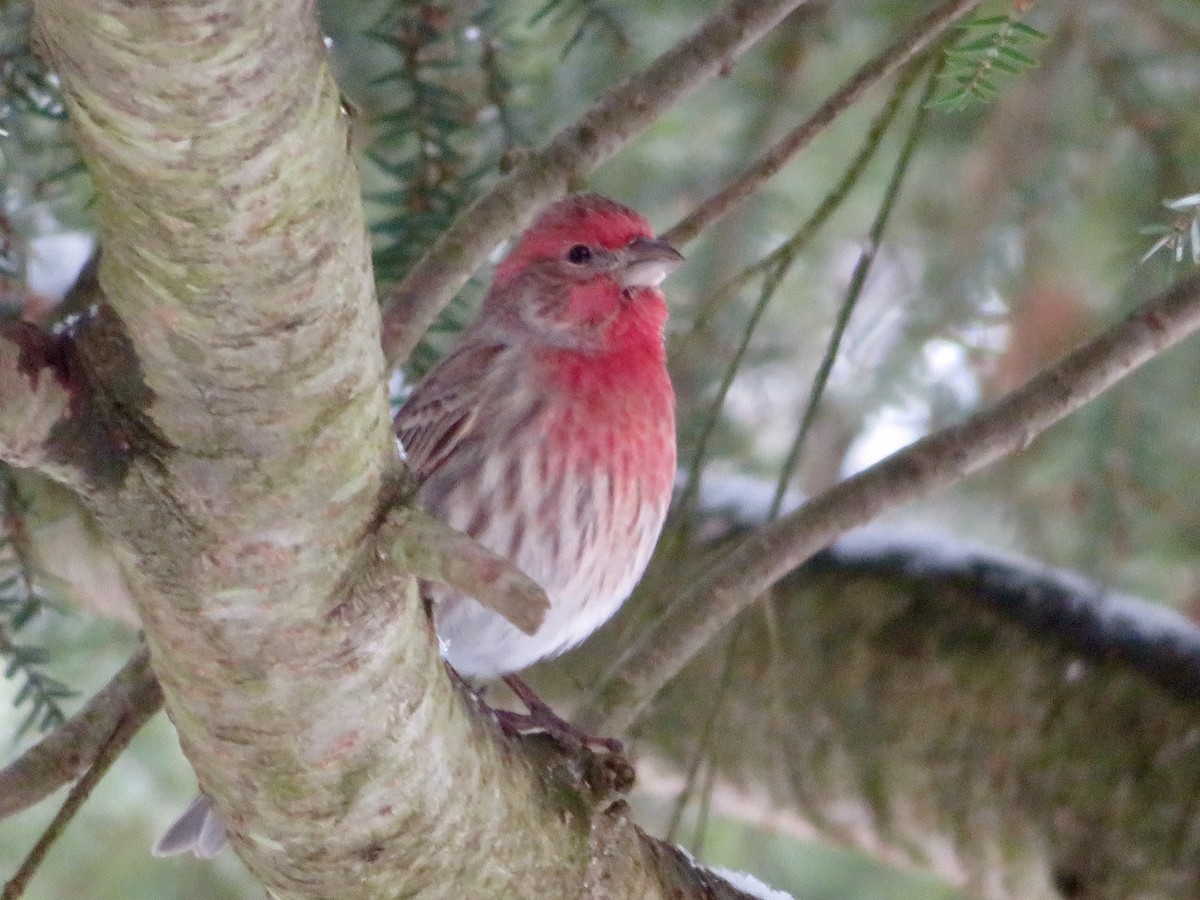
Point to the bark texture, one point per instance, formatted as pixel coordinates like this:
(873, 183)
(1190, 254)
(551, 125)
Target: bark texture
(223, 418)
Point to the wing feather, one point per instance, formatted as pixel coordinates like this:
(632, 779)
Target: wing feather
(443, 409)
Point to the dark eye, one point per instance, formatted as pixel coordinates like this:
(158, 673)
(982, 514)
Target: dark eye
(579, 254)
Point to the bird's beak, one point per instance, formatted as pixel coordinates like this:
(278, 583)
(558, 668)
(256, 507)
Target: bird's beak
(645, 262)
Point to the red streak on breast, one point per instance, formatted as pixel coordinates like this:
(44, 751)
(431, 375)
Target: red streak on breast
(616, 405)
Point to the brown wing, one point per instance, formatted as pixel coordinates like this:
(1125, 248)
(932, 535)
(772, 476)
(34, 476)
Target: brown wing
(444, 408)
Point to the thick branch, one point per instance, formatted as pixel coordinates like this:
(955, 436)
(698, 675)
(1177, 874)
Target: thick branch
(238, 380)
(769, 164)
(698, 612)
(623, 111)
(133, 696)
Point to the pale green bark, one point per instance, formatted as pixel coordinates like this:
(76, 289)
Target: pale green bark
(242, 385)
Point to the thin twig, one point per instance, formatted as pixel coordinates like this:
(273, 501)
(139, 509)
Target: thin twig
(781, 691)
(705, 739)
(691, 488)
(132, 697)
(854, 290)
(800, 137)
(830, 203)
(611, 122)
(936, 461)
(114, 744)
(791, 46)
(782, 258)
(706, 796)
(496, 90)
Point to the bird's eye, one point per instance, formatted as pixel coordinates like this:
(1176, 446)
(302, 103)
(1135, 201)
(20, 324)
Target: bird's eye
(579, 254)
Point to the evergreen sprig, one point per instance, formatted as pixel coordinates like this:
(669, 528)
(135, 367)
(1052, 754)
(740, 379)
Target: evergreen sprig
(21, 601)
(418, 142)
(993, 47)
(38, 163)
(436, 144)
(587, 15)
(1181, 237)
(26, 85)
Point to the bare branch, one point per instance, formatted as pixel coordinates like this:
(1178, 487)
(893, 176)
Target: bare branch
(767, 165)
(132, 696)
(698, 612)
(623, 111)
(113, 745)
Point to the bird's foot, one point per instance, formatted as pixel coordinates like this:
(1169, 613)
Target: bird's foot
(541, 718)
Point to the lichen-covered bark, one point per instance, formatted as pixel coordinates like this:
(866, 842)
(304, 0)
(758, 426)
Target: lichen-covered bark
(249, 391)
(237, 452)
(256, 436)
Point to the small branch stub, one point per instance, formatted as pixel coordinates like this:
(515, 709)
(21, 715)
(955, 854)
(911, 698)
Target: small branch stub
(429, 549)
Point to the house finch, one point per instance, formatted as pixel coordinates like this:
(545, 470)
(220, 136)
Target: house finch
(548, 435)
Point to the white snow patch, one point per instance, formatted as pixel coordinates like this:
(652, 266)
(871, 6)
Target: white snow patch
(751, 885)
(55, 261)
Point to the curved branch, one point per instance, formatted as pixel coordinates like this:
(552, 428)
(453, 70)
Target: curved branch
(132, 697)
(538, 178)
(889, 709)
(769, 164)
(938, 460)
(900, 682)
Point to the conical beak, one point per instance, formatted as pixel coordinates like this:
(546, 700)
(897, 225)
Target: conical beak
(646, 262)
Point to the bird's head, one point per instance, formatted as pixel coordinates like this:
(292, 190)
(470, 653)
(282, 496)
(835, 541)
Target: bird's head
(584, 275)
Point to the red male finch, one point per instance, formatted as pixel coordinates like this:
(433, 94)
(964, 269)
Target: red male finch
(548, 435)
